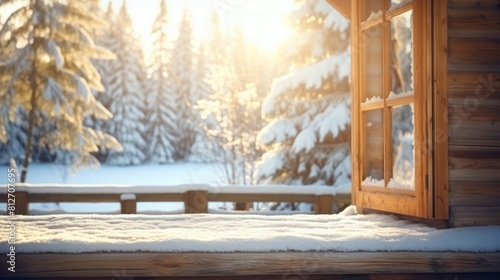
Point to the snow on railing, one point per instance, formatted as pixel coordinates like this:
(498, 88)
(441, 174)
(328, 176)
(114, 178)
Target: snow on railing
(195, 197)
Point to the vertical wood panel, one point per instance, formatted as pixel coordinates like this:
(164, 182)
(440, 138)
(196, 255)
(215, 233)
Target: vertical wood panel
(22, 203)
(355, 103)
(128, 205)
(386, 88)
(440, 114)
(323, 204)
(422, 86)
(196, 202)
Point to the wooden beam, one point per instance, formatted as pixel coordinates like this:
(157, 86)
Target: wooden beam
(22, 203)
(323, 204)
(286, 265)
(196, 202)
(128, 203)
(342, 6)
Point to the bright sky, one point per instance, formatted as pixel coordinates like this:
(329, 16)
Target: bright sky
(261, 20)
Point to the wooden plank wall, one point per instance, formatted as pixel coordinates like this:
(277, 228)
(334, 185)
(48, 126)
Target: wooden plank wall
(474, 111)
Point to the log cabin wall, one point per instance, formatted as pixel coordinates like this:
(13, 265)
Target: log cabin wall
(474, 112)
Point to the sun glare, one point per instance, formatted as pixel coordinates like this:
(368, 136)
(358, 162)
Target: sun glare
(261, 20)
(266, 34)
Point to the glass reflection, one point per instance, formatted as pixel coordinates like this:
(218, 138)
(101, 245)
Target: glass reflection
(402, 148)
(393, 4)
(402, 53)
(372, 62)
(374, 160)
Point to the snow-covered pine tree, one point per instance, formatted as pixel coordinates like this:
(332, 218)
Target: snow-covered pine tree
(202, 90)
(15, 135)
(125, 92)
(105, 38)
(48, 73)
(309, 109)
(161, 119)
(13, 148)
(181, 76)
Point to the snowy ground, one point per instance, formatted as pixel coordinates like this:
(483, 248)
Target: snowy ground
(250, 233)
(168, 174)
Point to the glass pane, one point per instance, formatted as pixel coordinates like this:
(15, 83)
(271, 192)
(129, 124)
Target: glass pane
(372, 62)
(374, 153)
(370, 9)
(393, 4)
(402, 54)
(403, 164)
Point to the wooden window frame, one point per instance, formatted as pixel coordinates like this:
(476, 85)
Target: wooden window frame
(417, 203)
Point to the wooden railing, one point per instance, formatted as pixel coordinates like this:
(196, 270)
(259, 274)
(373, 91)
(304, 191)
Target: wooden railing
(195, 197)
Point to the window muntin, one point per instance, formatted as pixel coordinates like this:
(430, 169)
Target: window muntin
(387, 95)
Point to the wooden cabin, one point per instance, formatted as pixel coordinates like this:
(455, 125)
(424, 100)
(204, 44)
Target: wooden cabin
(454, 95)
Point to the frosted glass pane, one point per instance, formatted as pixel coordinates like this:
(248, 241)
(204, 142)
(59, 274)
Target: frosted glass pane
(374, 153)
(402, 53)
(392, 4)
(372, 62)
(403, 166)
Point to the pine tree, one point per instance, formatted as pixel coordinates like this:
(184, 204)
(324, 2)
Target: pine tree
(13, 148)
(202, 91)
(162, 124)
(181, 77)
(125, 92)
(49, 75)
(105, 38)
(307, 137)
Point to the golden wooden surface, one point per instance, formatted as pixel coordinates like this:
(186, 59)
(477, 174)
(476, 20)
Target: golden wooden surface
(284, 264)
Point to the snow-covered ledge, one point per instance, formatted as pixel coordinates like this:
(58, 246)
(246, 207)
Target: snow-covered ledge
(244, 245)
(344, 232)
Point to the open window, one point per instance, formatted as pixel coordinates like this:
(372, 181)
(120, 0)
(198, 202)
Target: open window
(391, 106)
